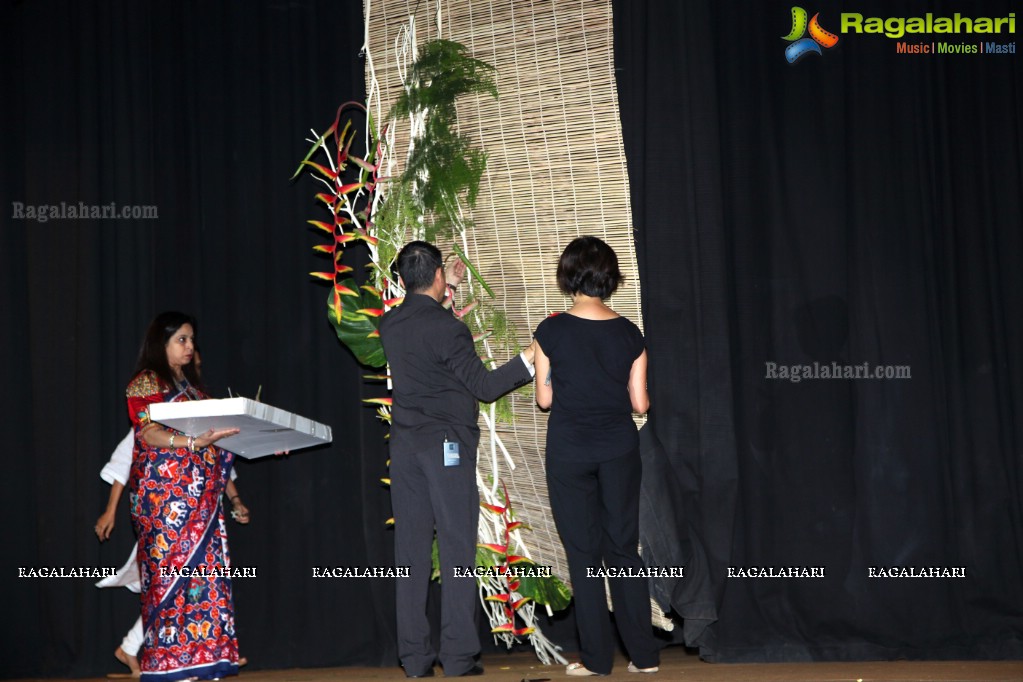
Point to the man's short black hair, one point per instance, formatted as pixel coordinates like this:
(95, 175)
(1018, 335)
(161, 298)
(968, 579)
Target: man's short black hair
(588, 266)
(417, 264)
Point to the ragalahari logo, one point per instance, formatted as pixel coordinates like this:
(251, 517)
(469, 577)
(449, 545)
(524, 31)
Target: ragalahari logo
(801, 46)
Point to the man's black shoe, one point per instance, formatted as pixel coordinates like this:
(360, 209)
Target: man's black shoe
(428, 673)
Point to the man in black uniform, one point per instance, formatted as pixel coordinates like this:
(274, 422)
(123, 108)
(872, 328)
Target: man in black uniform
(438, 380)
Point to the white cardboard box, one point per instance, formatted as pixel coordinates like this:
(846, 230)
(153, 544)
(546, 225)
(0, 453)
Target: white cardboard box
(265, 429)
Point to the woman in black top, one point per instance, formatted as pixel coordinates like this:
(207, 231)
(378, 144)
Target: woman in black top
(591, 371)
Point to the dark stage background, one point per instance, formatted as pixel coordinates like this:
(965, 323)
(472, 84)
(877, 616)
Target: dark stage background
(859, 206)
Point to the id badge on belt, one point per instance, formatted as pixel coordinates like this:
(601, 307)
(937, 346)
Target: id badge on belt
(451, 456)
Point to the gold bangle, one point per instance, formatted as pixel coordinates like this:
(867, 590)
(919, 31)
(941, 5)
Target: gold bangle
(171, 446)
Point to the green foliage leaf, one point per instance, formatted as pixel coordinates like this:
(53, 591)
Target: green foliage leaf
(397, 213)
(550, 591)
(435, 559)
(443, 167)
(312, 150)
(472, 269)
(486, 558)
(443, 72)
(357, 331)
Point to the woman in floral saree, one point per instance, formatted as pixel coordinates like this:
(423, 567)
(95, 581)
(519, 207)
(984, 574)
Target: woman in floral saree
(176, 485)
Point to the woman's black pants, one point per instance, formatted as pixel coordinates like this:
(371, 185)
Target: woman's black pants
(596, 509)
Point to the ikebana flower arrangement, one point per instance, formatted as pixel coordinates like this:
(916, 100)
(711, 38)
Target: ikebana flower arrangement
(430, 199)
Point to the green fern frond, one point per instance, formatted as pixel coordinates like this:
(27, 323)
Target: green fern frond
(443, 72)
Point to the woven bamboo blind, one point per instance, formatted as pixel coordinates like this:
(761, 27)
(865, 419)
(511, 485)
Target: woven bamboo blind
(556, 170)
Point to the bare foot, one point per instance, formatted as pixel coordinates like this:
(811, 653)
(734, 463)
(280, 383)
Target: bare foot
(242, 661)
(130, 661)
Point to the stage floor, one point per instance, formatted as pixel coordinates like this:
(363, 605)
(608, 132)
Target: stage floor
(679, 666)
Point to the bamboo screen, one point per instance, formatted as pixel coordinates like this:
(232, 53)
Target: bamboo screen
(556, 170)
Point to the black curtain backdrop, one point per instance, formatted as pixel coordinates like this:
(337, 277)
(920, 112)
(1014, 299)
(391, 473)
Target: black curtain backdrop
(199, 109)
(857, 206)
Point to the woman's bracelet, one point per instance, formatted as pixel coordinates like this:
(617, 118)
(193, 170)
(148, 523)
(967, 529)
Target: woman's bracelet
(191, 443)
(171, 446)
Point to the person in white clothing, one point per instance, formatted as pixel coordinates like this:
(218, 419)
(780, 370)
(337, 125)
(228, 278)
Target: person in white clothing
(116, 472)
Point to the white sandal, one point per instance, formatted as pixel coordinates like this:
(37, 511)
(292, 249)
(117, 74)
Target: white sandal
(578, 670)
(633, 669)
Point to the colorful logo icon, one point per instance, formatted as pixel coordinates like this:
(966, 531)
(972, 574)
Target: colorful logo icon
(800, 46)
